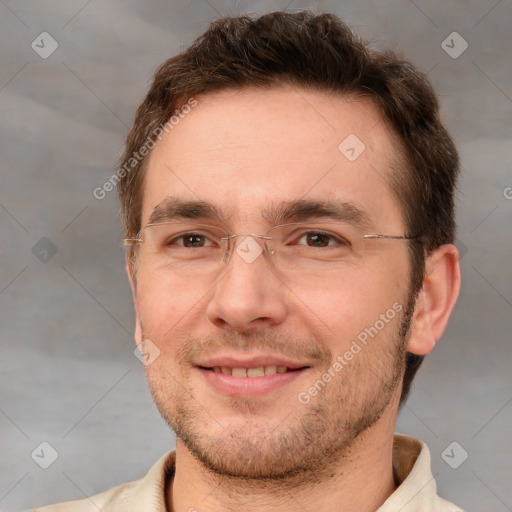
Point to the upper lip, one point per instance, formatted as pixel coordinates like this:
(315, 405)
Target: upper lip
(254, 361)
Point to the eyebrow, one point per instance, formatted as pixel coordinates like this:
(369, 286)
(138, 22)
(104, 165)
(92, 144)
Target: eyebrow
(302, 210)
(174, 208)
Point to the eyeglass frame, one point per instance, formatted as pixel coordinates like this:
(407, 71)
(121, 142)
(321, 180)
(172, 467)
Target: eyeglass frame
(128, 241)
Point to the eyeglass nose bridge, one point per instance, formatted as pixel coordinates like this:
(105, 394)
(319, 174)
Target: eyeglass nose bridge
(230, 246)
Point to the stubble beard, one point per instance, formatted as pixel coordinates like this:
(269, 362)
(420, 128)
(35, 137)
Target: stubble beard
(303, 445)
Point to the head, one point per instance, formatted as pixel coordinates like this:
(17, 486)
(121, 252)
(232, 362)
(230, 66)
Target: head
(262, 108)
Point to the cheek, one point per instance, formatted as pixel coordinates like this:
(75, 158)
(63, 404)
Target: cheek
(164, 309)
(161, 291)
(339, 312)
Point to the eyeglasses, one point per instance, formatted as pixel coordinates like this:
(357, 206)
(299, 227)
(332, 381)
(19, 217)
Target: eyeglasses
(201, 249)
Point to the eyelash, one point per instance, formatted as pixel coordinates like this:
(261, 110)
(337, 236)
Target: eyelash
(337, 239)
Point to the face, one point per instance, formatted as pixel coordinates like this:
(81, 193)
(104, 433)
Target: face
(323, 347)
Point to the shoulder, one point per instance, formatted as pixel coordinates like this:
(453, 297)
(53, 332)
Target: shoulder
(417, 490)
(118, 494)
(91, 503)
(146, 494)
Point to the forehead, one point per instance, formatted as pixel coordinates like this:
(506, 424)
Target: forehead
(243, 150)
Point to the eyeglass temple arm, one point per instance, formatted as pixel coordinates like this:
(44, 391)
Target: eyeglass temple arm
(132, 241)
(390, 237)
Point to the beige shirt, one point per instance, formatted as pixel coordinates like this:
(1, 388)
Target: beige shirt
(411, 465)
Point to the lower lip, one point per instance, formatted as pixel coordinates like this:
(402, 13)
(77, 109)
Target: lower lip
(249, 386)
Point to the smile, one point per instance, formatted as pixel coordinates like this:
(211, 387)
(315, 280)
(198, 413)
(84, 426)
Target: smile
(259, 371)
(250, 381)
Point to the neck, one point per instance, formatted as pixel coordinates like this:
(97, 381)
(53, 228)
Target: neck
(360, 479)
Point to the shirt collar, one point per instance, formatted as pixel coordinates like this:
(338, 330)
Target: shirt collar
(416, 487)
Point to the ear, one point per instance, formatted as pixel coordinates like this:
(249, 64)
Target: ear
(130, 271)
(436, 299)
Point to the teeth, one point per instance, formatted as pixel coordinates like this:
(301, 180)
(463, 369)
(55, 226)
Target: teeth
(255, 372)
(270, 370)
(239, 372)
(260, 371)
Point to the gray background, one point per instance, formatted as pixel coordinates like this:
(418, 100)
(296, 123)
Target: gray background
(68, 373)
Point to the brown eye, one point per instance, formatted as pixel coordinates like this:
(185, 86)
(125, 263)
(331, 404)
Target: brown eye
(193, 240)
(190, 240)
(317, 240)
(321, 239)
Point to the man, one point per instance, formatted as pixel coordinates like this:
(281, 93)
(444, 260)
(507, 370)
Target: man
(287, 195)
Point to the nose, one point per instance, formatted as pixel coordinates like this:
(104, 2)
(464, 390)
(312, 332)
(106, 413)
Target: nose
(249, 294)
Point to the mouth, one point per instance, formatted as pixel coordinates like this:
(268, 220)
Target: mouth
(254, 372)
(257, 376)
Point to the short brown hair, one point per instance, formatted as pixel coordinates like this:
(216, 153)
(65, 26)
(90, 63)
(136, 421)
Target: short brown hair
(320, 52)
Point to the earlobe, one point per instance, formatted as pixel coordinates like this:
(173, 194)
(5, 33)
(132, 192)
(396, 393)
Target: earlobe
(436, 299)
